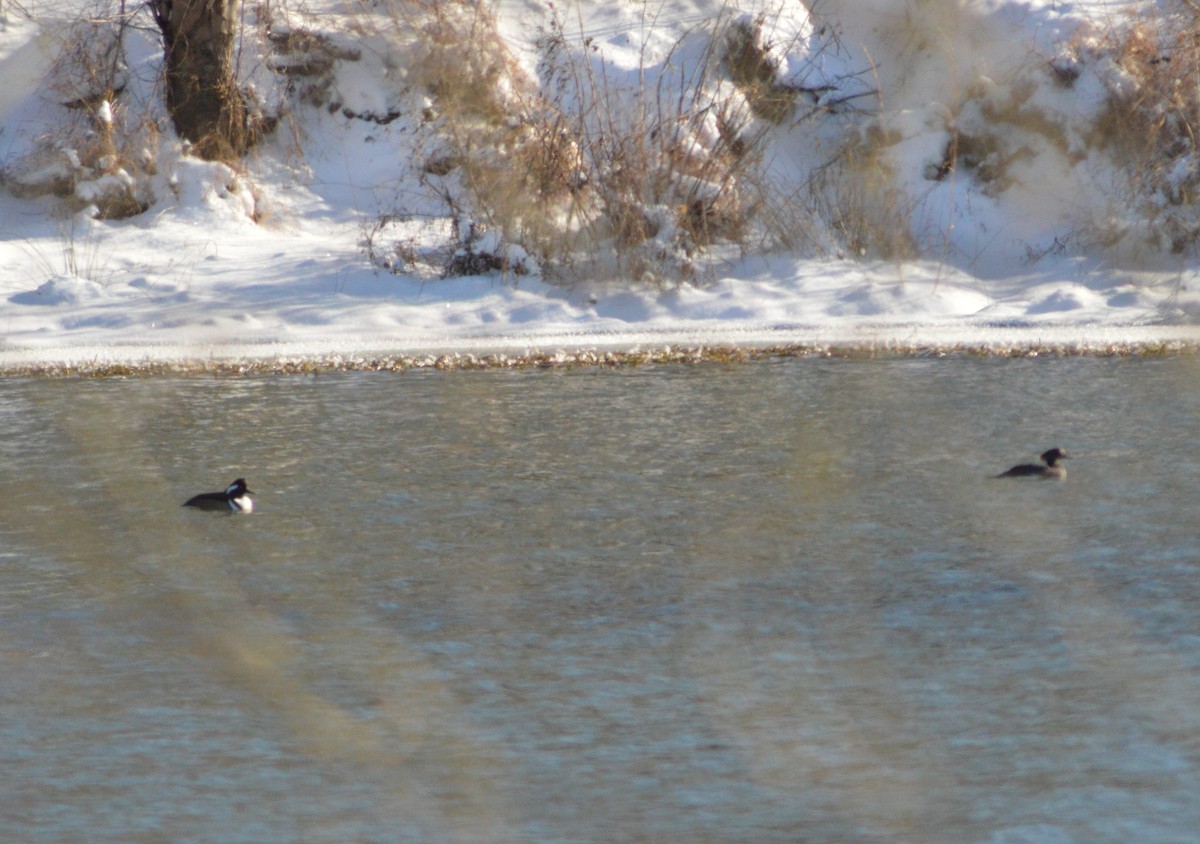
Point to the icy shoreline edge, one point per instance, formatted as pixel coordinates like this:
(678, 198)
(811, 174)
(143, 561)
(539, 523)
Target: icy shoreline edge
(598, 350)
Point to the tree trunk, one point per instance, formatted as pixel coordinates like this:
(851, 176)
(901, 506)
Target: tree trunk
(202, 95)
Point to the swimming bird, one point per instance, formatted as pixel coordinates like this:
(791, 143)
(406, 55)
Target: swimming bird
(1050, 471)
(236, 498)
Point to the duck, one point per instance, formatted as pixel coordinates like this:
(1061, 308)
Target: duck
(236, 499)
(1048, 469)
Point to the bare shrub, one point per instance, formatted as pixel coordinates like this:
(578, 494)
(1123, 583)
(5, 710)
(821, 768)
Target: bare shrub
(636, 173)
(858, 198)
(415, 245)
(1152, 116)
(499, 158)
(91, 66)
(644, 173)
(101, 154)
(674, 168)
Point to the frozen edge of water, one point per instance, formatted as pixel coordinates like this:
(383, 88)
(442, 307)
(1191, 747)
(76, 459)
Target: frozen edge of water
(551, 349)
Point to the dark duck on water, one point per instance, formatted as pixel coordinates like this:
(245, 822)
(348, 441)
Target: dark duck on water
(1049, 468)
(235, 499)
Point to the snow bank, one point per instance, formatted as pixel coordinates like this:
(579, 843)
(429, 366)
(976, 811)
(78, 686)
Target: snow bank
(987, 164)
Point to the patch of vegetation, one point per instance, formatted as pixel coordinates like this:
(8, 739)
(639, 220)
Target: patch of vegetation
(500, 162)
(752, 68)
(857, 197)
(101, 152)
(589, 173)
(581, 172)
(1152, 117)
(670, 172)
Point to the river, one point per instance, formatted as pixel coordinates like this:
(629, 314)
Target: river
(782, 601)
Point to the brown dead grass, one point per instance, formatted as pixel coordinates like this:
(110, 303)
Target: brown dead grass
(1152, 118)
(580, 172)
(858, 197)
(513, 153)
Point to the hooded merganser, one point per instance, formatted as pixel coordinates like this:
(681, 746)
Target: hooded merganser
(236, 498)
(1051, 470)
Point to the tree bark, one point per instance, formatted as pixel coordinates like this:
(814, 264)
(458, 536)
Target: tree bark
(202, 94)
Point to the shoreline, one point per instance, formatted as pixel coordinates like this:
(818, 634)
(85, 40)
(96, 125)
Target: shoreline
(460, 361)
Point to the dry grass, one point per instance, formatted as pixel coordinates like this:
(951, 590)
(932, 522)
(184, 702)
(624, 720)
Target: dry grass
(102, 149)
(674, 169)
(101, 153)
(583, 168)
(1152, 118)
(586, 173)
(747, 58)
(501, 158)
(858, 198)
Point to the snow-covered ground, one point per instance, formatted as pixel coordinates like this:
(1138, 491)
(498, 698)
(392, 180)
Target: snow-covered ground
(1029, 246)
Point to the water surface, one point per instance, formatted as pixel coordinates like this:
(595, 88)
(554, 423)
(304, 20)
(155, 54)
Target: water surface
(771, 602)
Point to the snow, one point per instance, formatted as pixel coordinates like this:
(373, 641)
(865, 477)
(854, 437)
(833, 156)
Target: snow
(267, 259)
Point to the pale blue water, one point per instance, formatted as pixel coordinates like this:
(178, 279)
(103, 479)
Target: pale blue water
(771, 602)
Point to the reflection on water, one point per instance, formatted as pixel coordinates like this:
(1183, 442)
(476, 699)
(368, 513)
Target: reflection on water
(776, 602)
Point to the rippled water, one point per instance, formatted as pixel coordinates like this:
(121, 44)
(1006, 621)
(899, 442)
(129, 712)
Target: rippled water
(771, 602)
